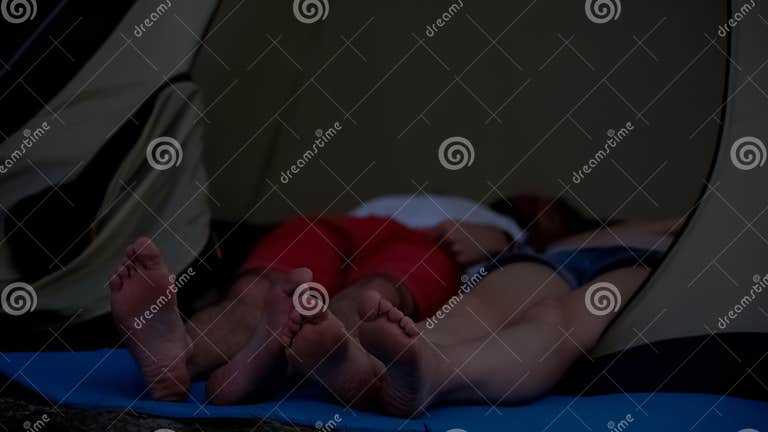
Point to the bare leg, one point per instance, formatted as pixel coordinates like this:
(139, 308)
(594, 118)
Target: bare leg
(500, 297)
(219, 332)
(529, 356)
(263, 357)
(348, 371)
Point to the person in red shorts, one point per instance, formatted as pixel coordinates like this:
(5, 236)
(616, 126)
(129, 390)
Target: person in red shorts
(294, 306)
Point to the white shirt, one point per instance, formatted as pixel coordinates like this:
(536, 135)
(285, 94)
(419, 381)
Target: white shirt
(424, 211)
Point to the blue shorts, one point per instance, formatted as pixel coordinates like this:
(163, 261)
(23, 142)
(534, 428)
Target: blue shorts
(580, 266)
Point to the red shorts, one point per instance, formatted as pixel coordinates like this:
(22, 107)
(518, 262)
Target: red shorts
(343, 250)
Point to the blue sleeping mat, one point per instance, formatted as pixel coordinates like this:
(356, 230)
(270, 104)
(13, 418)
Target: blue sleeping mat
(110, 379)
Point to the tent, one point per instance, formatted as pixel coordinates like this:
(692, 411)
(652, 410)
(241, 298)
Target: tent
(90, 128)
(702, 309)
(700, 322)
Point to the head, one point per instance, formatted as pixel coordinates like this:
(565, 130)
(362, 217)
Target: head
(545, 219)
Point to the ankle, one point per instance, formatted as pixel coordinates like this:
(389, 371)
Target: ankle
(252, 286)
(397, 294)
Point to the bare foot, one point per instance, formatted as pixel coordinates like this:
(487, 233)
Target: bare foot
(412, 369)
(323, 349)
(144, 308)
(252, 367)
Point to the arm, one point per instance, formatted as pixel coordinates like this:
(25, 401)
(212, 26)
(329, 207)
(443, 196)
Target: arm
(471, 243)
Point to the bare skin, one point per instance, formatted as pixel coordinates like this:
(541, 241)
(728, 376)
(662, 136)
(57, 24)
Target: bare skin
(271, 335)
(323, 350)
(252, 367)
(144, 308)
(240, 338)
(252, 328)
(323, 346)
(161, 344)
(529, 356)
(222, 330)
(508, 346)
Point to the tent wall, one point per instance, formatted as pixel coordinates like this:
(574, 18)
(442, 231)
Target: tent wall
(711, 272)
(258, 105)
(128, 71)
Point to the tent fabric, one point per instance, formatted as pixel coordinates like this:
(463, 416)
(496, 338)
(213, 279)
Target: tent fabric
(138, 202)
(129, 68)
(701, 287)
(110, 379)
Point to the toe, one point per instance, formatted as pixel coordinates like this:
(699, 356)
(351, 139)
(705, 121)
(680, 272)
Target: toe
(296, 317)
(319, 317)
(409, 327)
(114, 282)
(368, 307)
(395, 315)
(123, 273)
(145, 253)
(300, 275)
